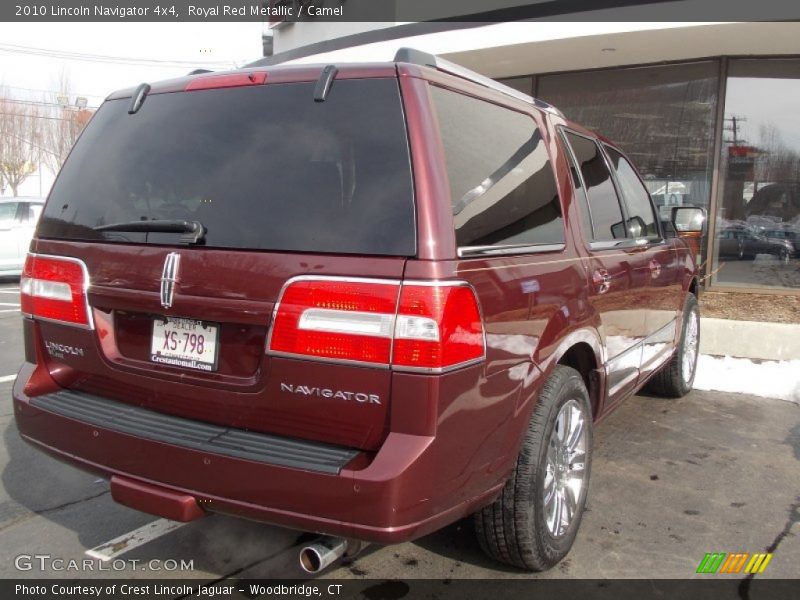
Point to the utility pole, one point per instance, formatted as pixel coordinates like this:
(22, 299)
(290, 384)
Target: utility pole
(734, 127)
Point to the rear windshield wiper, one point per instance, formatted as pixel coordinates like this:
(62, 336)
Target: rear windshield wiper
(193, 231)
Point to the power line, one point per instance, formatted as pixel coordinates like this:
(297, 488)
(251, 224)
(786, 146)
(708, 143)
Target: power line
(81, 56)
(56, 92)
(37, 146)
(37, 103)
(35, 117)
(99, 57)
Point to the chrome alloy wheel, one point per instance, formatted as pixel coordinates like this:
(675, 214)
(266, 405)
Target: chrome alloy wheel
(690, 347)
(566, 468)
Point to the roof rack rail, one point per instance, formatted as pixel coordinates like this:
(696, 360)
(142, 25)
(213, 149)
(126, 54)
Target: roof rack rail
(418, 57)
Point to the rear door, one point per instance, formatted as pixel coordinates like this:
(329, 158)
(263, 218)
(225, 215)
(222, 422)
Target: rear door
(615, 271)
(662, 291)
(283, 187)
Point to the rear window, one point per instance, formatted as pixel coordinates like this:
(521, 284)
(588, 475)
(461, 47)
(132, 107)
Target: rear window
(261, 167)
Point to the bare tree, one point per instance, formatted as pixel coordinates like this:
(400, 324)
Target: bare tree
(20, 137)
(63, 129)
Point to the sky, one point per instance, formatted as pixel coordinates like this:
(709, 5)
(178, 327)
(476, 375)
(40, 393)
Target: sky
(159, 51)
(99, 58)
(762, 101)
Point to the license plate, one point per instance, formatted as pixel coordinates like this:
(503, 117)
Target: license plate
(185, 343)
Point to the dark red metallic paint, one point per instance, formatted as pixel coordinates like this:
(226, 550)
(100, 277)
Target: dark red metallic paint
(155, 500)
(438, 448)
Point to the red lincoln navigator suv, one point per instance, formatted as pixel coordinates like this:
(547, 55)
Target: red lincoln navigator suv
(364, 300)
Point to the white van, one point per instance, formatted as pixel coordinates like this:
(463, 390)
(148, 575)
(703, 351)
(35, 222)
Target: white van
(18, 218)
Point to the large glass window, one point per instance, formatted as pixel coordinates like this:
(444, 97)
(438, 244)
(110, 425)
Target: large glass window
(661, 116)
(522, 84)
(758, 218)
(502, 185)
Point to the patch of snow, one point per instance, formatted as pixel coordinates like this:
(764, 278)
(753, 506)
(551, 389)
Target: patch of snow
(769, 379)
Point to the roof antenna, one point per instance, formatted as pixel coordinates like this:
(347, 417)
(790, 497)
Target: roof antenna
(324, 83)
(138, 98)
(199, 71)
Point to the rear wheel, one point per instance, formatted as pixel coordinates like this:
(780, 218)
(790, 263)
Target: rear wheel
(675, 379)
(533, 523)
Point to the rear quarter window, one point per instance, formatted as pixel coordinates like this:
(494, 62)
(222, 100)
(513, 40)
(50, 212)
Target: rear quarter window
(261, 167)
(503, 189)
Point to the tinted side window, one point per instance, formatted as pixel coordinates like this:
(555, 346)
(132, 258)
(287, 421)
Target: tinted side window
(25, 213)
(502, 185)
(604, 208)
(637, 198)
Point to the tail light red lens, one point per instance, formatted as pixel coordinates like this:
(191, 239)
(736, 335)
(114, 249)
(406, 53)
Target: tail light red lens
(54, 288)
(410, 326)
(336, 319)
(451, 312)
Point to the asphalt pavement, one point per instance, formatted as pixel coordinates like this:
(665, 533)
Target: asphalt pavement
(671, 481)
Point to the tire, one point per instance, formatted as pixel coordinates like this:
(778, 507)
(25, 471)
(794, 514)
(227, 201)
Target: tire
(675, 379)
(515, 528)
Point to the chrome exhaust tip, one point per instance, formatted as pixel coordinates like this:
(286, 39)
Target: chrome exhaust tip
(322, 553)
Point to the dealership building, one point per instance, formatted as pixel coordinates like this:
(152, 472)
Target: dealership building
(709, 112)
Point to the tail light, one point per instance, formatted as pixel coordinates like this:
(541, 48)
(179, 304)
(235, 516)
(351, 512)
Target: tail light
(438, 327)
(336, 319)
(54, 288)
(425, 326)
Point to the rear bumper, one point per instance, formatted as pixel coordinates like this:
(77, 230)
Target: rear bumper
(386, 499)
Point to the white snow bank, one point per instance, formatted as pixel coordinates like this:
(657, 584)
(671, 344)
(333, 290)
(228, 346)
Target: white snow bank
(770, 379)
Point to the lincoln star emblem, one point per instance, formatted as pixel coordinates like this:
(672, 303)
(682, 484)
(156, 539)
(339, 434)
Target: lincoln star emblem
(169, 276)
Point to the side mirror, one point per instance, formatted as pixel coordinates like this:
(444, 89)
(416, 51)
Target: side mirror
(688, 219)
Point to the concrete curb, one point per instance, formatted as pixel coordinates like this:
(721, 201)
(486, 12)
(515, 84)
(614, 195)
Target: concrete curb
(750, 339)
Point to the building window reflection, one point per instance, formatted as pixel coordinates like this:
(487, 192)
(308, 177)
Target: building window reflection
(661, 116)
(665, 118)
(758, 218)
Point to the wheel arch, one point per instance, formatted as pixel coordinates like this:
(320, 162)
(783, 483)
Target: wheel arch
(582, 350)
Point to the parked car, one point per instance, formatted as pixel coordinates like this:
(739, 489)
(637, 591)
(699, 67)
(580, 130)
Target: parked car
(743, 242)
(18, 218)
(360, 300)
(788, 238)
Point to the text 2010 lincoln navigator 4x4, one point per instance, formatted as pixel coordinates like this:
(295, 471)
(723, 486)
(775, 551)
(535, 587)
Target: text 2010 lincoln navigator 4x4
(364, 300)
